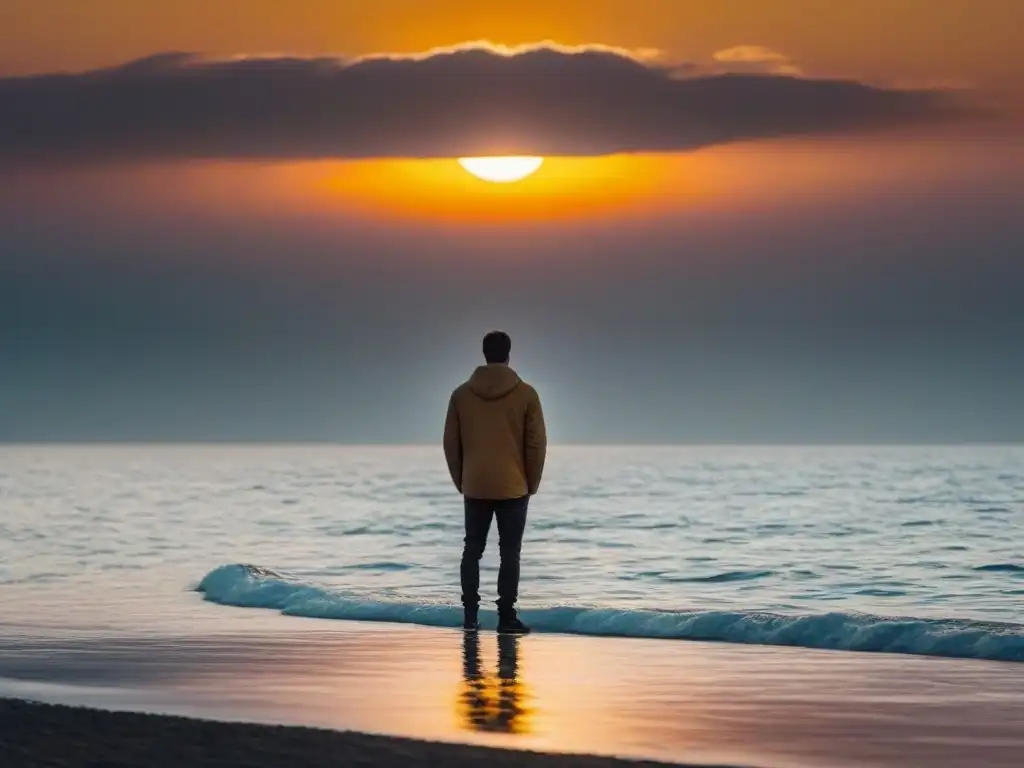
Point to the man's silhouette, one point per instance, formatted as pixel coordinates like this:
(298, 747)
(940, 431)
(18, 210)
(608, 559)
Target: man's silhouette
(495, 443)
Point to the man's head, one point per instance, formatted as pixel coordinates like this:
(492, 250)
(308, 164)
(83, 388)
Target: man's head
(497, 347)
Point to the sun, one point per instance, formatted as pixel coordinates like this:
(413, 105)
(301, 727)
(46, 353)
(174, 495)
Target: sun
(502, 170)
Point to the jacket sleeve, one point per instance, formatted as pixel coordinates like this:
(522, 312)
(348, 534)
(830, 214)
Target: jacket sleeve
(535, 443)
(453, 443)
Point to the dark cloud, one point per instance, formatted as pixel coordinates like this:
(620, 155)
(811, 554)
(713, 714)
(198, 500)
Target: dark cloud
(468, 101)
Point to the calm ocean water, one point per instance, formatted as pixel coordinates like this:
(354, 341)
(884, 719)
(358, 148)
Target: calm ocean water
(917, 550)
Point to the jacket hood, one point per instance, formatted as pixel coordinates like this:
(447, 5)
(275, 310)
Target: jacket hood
(493, 381)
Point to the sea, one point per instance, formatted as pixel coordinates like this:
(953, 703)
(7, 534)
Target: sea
(908, 550)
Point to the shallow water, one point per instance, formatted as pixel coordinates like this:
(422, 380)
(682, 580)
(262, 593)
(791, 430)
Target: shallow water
(104, 536)
(684, 702)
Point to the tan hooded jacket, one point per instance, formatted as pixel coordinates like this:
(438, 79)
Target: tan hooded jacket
(495, 440)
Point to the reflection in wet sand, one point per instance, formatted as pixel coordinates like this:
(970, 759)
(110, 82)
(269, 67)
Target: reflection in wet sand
(678, 701)
(489, 702)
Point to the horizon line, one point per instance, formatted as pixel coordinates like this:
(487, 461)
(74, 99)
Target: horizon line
(569, 444)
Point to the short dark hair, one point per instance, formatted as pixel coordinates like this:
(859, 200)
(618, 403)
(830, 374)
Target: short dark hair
(497, 347)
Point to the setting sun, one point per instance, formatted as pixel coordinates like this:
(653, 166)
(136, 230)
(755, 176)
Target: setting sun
(501, 170)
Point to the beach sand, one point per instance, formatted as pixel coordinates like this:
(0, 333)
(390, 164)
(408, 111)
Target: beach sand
(34, 735)
(669, 701)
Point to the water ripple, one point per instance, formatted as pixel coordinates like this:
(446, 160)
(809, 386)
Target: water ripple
(717, 529)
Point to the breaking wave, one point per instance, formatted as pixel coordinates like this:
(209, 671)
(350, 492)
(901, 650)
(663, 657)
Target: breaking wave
(251, 586)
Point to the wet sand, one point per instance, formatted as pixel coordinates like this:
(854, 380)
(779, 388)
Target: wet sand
(681, 702)
(36, 735)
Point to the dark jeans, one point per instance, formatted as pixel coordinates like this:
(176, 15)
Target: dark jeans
(511, 514)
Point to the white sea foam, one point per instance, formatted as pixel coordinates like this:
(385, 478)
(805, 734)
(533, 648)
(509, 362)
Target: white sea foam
(255, 587)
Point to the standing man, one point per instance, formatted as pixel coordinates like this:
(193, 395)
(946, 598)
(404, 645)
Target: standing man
(495, 442)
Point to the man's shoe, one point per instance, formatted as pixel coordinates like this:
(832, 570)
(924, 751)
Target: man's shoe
(470, 623)
(511, 625)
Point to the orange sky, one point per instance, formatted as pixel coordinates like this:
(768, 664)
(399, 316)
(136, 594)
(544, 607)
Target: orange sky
(897, 41)
(852, 287)
(788, 177)
(916, 40)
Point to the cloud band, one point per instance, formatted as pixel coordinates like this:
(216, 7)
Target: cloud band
(466, 101)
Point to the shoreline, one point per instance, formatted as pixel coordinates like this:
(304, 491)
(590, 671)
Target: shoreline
(667, 702)
(36, 734)
(250, 586)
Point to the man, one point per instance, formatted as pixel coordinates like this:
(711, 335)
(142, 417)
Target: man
(495, 443)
